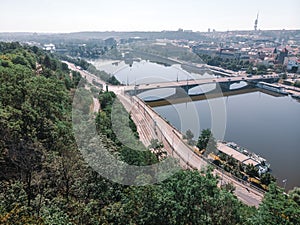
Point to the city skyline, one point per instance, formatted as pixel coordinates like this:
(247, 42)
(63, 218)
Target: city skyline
(137, 15)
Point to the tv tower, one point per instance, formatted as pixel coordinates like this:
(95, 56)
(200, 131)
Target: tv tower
(256, 22)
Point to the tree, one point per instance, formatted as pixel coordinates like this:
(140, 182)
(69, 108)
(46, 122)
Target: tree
(113, 80)
(295, 195)
(188, 197)
(252, 171)
(207, 141)
(267, 179)
(297, 83)
(155, 144)
(106, 98)
(47, 62)
(189, 136)
(276, 208)
(158, 150)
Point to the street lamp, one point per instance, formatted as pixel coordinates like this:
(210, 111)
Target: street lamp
(222, 176)
(173, 143)
(284, 181)
(187, 80)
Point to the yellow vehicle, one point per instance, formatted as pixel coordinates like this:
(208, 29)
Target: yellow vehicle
(197, 151)
(258, 183)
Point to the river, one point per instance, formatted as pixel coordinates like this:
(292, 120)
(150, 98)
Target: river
(262, 123)
(265, 124)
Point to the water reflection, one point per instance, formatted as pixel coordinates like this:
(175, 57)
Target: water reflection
(144, 72)
(262, 123)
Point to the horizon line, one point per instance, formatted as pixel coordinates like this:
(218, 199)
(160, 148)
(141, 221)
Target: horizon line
(141, 31)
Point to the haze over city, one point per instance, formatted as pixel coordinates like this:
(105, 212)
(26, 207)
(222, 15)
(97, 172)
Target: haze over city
(139, 15)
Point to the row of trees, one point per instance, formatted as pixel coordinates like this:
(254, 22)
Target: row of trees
(234, 64)
(226, 63)
(206, 141)
(111, 121)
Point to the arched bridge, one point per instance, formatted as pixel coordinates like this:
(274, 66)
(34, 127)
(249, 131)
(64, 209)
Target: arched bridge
(184, 86)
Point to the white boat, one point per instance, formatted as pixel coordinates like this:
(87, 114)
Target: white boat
(245, 156)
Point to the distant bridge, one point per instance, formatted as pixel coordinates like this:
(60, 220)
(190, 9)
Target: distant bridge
(183, 87)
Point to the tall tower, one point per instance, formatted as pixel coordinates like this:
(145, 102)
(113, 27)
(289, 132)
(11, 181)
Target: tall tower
(255, 23)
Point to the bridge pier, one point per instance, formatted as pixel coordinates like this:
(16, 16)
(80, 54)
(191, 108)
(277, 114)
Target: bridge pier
(225, 86)
(182, 91)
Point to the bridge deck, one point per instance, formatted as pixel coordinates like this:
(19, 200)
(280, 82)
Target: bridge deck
(174, 84)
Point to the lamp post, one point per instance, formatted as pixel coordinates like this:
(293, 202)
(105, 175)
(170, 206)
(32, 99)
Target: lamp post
(173, 143)
(284, 181)
(222, 177)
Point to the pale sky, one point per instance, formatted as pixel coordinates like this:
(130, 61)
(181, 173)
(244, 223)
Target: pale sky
(142, 15)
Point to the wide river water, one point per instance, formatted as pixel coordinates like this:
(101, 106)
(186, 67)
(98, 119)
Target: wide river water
(265, 124)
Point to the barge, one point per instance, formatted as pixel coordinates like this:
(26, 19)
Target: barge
(244, 156)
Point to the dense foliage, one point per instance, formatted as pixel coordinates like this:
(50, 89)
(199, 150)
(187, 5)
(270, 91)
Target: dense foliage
(44, 179)
(234, 64)
(128, 136)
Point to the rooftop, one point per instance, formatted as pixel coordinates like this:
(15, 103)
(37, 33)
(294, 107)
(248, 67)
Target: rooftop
(236, 155)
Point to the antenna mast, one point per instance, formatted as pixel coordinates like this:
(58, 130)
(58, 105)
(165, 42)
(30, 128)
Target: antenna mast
(256, 22)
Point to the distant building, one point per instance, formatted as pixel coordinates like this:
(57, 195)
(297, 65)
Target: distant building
(282, 55)
(292, 64)
(132, 40)
(49, 47)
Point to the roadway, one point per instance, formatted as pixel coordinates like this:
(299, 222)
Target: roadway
(143, 116)
(193, 82)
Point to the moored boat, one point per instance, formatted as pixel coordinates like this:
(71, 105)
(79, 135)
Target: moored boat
(244, 156)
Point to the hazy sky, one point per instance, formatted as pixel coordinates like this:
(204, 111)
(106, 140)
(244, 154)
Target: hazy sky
(142, 15)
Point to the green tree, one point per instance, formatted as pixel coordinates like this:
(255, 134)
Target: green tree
(276, 208)
(207, 141)
(295, 195)
(189, 136)
(252, 171)
(157, 147)
(267, 179)
(186, 198)
(156, 144)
